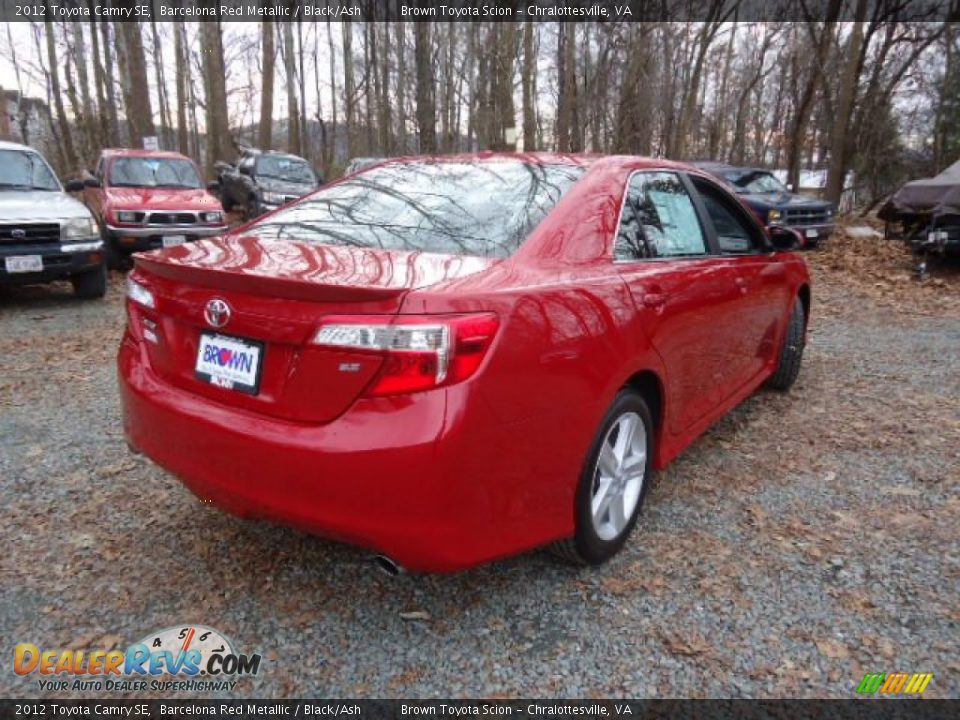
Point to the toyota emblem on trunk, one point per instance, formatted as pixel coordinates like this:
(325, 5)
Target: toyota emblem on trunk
(18, 234)
(217, 312)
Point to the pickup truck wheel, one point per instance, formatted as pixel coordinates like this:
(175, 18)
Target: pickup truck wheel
(791, 352)
(90, 285)
(613, 483)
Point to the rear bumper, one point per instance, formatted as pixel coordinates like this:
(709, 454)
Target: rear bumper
(139, 239)
(59, 262)
(394, 475)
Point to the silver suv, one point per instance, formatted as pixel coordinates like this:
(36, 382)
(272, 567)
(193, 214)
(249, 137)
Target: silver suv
(45, 234)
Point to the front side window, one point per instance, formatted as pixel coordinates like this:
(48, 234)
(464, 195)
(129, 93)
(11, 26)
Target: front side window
(482, 208)
(736, 234)
(153, 172)
(24, 170)
(658, 219)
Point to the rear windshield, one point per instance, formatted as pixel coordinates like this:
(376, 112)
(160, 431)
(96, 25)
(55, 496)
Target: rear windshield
(485, 209)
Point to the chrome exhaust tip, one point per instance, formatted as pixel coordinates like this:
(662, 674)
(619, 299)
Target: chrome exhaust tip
(387, 566)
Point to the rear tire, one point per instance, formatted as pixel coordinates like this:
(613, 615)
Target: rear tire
(90, 285)
(791, 352)
(613, 483)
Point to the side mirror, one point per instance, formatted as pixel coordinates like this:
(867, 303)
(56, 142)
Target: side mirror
(213, 187)
(74, 185)
(783, 238)
(92, 182)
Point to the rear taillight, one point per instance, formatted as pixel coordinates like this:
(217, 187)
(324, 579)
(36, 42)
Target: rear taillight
(139, 294)
(420, 352)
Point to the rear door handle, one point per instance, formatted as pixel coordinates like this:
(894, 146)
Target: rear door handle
(742, 284)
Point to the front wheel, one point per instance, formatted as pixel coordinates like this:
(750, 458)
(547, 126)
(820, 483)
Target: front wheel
(613, 483)
(90, 285)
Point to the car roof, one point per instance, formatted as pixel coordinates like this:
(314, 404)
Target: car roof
(8, 145)
(547, 158)
(137, 152)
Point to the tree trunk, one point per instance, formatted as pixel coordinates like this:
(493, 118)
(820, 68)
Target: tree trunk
(332, 146)
(400, 28)
(426, 114)
(846, 97)
(293, 108)
(219, 145)
(798, 130)
(134, 83)
(528, 80)
(349, 88)
(166, 123)
(180, 50)
(265, 128)
(305, 147)
(99, 83)
(108, 43)
(66, 139)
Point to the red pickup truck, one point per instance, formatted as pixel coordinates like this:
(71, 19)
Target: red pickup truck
(147, 199)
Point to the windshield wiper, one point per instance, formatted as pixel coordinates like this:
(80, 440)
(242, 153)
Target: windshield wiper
(15, 186)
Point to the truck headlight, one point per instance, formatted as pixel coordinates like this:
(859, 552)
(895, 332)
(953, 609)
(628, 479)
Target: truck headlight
(211, 217)
(272, 198)
(774, 216)
(79, 229)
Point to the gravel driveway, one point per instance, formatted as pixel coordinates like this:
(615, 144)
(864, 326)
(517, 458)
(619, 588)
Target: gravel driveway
(807, 539)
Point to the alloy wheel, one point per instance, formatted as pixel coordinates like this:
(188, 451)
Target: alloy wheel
(619, 475)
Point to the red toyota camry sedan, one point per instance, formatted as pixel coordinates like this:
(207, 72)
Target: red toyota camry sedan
(451, 360)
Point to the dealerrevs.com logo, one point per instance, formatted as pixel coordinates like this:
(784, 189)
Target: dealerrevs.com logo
(183, 658)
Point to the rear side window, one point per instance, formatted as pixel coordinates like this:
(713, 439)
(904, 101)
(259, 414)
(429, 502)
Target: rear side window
(658, 220)
(482, 208)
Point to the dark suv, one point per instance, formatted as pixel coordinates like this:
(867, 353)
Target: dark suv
(773, 203)
(263, 181)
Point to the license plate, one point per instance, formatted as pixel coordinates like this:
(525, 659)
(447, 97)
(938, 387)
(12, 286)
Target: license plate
(811, 233)
(172, 240)
(24, 264)
(229, 362)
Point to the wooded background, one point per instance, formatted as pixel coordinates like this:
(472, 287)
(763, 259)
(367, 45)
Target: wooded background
(861, 89)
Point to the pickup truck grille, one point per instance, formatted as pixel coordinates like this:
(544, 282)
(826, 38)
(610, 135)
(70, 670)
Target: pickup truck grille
(172, 218)
(806, 216)
(29, 233)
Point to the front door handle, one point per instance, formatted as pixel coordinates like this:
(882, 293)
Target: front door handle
(654, 300)
(742, 284)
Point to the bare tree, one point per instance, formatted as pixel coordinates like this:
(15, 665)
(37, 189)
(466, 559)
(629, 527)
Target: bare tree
(65, 136)
(426, 111)
(265, 128)
(133, 82)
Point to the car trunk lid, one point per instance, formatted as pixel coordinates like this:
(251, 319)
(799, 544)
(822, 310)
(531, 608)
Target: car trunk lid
(276, 293)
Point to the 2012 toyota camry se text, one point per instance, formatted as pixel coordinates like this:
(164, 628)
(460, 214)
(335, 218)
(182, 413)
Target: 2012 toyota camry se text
(451, 360)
